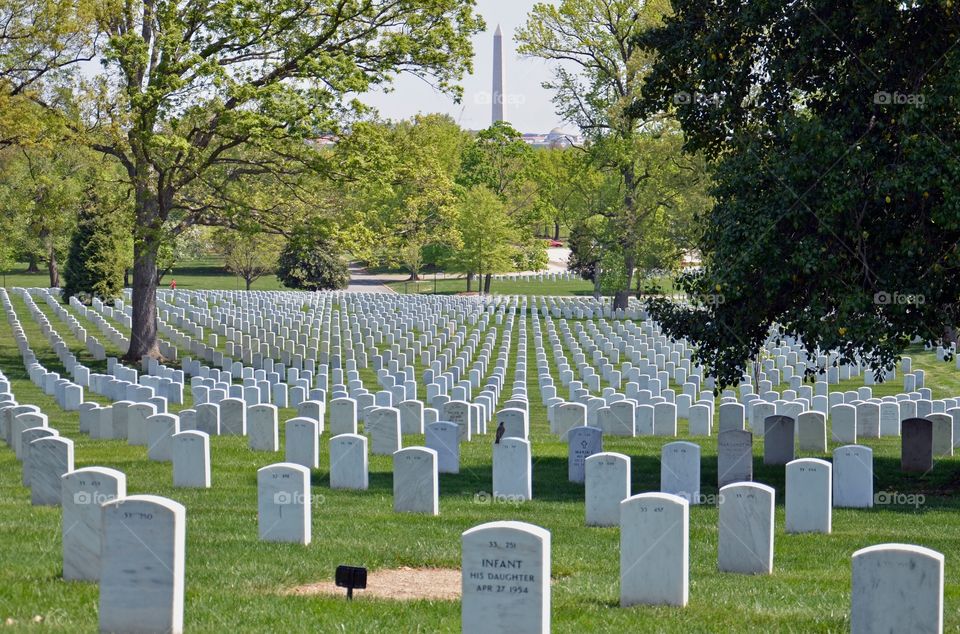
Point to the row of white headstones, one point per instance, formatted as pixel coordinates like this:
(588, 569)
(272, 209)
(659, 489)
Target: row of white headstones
(411, 456)
(662, 414)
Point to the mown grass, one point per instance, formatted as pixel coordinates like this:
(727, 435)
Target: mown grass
(458, 285)
(204, 273)
(454, 286)
(236, 583)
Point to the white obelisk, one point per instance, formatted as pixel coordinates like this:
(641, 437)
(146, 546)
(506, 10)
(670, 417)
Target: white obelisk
(498, 75)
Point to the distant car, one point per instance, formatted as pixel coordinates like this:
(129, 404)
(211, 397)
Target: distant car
(554, 243)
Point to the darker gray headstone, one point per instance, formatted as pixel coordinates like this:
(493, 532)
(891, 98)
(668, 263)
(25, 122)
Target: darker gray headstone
(734, 457)
(778, 443)
(583, 442)
(916, 452)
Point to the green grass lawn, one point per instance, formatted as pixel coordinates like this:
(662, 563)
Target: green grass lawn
(454, 286)
(497, 287)
(236, 583)
(208, 273)
(205, 273)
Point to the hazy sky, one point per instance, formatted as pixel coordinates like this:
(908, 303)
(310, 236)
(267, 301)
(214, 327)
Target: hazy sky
(528, 106)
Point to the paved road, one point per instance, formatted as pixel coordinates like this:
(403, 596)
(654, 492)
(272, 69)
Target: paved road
(363, 282)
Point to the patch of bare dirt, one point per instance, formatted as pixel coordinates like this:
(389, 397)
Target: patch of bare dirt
(401, 584)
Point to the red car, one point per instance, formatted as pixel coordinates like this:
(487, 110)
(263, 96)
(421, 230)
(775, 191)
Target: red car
(554, 243)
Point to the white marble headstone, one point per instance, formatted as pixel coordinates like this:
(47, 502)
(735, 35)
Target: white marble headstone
(302, 442)
(853, 477)
(680, 470)
(348, 462)
(512, 478)
(416, 485)
(607, 483)
(142, 565)
(809, 496)
(745, 540)
(284, 503)
(83, 492)
(896, 588)
(190, 451)
(654, 550)
(263, 428)
(444, 438)
(505, 579)
(50, 459)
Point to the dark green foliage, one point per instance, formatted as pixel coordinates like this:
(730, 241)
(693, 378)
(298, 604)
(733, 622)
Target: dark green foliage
(312, 263)
(833, 135)
(585, 252)
(97, 256)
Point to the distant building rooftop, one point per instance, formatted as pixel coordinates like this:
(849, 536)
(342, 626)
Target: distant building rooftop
(556, 138)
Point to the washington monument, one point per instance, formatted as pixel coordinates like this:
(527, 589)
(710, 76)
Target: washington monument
(498, 76)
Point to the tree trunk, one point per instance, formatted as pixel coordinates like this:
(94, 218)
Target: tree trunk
(161, 274)
(556, 230)
(414, 277)
(486, 283)
(143, 335)
(249, 282)
(53, 269)
(628, 239)
(32, 266)
(469, 281)
(146, 245)
(126, 278)
(622, 298)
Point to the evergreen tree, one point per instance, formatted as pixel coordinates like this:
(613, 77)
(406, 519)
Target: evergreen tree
(310, 261)
(96, 261)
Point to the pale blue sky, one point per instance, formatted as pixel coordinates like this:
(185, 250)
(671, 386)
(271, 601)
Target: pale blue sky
(528, 106)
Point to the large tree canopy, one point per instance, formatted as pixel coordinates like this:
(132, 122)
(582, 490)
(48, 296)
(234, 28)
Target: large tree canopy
(599, 74)
(833, 132)
(405, 189)
(191, 89)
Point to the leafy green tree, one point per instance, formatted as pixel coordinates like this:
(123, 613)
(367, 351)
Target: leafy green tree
(599, 75)
(311, 261)
(11, 231)
(500, 160)
(586, 251)
(248, 254)
(42, 190)
(95, 263)
(189, 244)
(488, 236)
(833, 137)
(408, 188)
(556, 175)
(192, 91)
(37, 40)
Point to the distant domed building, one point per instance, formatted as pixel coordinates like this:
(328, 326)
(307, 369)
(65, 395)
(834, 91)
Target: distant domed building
(556, 138)
(559, 138)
